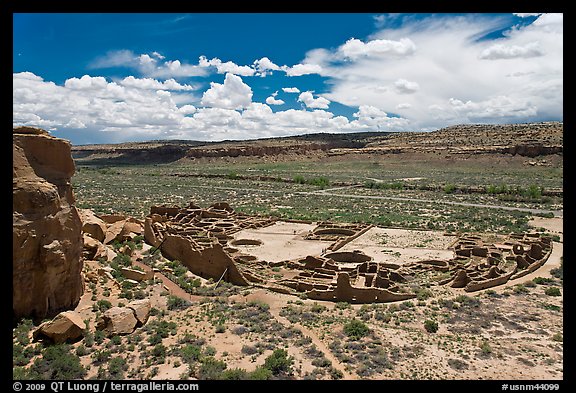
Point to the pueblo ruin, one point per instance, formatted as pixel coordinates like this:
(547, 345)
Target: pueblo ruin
(222, 244)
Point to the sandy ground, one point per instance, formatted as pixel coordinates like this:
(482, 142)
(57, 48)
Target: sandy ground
(402, 245)
(281, 241)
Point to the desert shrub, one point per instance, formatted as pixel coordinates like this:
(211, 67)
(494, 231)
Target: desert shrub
(22, 331)
(190, 353)
(519, 289)
(319, 181)
(558, 272)
(21, 355)
(552, 291)
(485, 348)
(117, 367)
(99, 336)
(236, 374)
(210, 350)
(356, 329)
(279, 362)
(57, 362)
(155, 339)
(321, 362)
(299, 179)
(342, 305)
(543, 280)
(558, 337)
(21, 374)
(431, 326)
(177, 303)
(457, 364)
(159, 352)
(449, 188)
(239, 330)
(261, 374)
(465, 300)
(100, 356)
(211, 368)
(423, 293)
(335, 373)
(249, 349)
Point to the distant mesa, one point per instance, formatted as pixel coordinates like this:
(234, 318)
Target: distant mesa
(527, 140)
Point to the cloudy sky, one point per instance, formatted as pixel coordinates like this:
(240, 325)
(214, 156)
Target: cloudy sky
(108, 78)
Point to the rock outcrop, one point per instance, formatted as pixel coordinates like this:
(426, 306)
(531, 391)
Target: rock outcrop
(66, 326)
(47, 230)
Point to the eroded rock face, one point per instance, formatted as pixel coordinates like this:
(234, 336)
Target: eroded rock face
(47, 230)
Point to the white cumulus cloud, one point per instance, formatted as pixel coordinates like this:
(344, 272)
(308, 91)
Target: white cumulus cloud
(302, 69)
(232, 94)
(227, 67)
(354, 48)
(265, 66)
(308, 99)
(403, 86)
(273, 101)
(500, 51)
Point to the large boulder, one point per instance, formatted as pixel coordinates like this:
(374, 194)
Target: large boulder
(47, 230)
(93, 225)
(65, 327)
(117, 320)
(137, 275)
(141, 309)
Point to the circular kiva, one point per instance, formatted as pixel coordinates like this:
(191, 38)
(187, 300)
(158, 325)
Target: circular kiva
(246, 242)
(348, 257)
(335, 231)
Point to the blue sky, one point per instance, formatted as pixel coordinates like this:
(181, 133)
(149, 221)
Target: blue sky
(107, 78)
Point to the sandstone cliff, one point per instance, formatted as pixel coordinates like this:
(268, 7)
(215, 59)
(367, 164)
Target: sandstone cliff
(47, 238)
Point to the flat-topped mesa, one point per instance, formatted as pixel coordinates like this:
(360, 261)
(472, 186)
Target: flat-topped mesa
(47, 238)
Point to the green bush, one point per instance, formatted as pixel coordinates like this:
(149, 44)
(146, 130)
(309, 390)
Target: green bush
(279, 362)
(543, 280)
(235, 374)
(356, 329)
(431, 326)
(449, 188)
(261, 374)
(552, 291)
(211, 368)
(190, 353)
(57, 362)
(116, 367)
(177, 303)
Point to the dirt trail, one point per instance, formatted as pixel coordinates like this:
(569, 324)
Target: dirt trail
(169, 285)
(276, 302)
